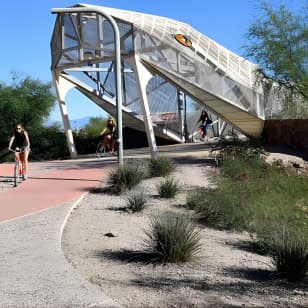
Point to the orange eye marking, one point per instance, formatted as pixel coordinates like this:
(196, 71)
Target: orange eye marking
(182, 39)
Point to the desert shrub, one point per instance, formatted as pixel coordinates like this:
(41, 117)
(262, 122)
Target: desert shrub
(217, 208)
(143, 165)
(255, 196)
(161, 166)
(125, 177)
(195, 198)
(288, 248)
(201, 201)
(48, 143)
(168, 188)
(243, 163)
(252, 194)
(136, 202)
(172, 238)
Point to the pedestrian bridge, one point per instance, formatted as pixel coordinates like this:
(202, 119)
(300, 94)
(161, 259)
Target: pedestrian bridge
(169, 72)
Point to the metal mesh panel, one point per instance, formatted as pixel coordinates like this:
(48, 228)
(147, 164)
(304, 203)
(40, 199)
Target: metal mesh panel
(207, 72)
(159, 27)
(56, 43)
(202, 74)
(88, 37)
(70, 35)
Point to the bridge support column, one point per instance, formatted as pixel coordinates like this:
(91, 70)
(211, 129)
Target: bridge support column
(221, 127)
(182, 114)
(62, 86)
(143, 77)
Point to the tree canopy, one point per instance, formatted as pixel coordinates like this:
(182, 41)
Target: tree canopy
(24, 101)
(94, 127)
(279, 45)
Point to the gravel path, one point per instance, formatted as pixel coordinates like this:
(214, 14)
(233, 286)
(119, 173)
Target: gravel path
(33, 269)
(227, 273)
(89, 269)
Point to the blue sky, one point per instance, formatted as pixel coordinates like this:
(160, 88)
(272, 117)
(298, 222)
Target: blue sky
(26, 28)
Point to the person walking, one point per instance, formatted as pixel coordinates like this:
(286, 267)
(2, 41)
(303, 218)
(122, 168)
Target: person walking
(20, 144)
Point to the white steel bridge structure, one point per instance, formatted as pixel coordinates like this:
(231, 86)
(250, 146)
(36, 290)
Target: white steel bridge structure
(168, 73)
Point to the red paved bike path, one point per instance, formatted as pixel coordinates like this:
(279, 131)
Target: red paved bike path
(49, 184)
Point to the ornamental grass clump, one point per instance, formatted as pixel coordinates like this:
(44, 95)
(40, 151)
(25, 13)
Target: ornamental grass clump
(136, 202)
(172, 238)
(288, 249)
(161, 166)
(168, 188)
(125, 177)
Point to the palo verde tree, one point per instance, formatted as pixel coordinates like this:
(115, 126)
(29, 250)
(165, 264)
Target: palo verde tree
(279, 45)
(95, 126)
(87, 138)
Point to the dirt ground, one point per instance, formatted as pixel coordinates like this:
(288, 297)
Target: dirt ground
(227, 272)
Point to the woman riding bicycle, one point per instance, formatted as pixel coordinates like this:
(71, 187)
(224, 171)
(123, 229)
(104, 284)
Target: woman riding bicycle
(20, 144)
(108, 134)
(206, 123)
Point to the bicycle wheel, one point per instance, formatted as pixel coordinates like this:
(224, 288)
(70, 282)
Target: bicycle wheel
(100, 150)
(15, 174)
(196, 136)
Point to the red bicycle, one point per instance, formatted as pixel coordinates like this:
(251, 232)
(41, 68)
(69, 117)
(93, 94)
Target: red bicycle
(105, 147)
(17, 165)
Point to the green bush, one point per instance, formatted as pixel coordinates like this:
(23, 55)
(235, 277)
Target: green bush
(136, 202)
(252, 194)
(85, 144)
(202, 202)
(172, 238)
(168, 188)
(270, 201)
(195, 198)
(161, 166)
(243, 164)
(288, 248)
(125, 177)
(47, 143)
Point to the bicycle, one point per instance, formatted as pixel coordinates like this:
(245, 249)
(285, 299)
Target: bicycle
(16, 165)
(198, 135)
(102, 150)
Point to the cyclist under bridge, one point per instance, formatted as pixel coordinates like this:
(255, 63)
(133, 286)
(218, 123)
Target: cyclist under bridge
(169, 71)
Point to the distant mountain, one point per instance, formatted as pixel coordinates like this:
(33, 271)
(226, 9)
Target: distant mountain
(79, 123)
(75, 123)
